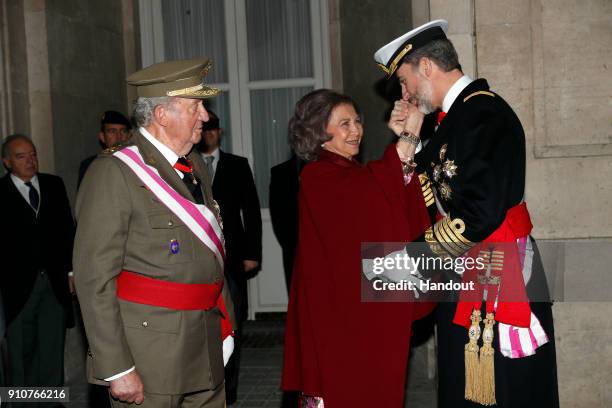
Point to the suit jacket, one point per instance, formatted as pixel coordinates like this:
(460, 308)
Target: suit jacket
(32, 243)
(234, 190)
(284, 186)
(122, 226)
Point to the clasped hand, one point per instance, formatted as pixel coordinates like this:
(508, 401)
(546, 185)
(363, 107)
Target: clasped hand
(405, 117)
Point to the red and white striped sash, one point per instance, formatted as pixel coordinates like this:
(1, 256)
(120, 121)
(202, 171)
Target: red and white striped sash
(198, 218)
(519, 342)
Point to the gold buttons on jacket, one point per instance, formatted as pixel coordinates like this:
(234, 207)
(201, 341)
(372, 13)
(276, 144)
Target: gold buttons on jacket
(145, 324)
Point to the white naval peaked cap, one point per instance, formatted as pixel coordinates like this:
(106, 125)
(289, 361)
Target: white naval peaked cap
(389, 56)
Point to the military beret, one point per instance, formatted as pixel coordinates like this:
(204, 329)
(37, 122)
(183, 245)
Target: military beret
(181, 78)
(115, 118)
(390, 56)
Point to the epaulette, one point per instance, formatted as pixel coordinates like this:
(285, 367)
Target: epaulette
(110, 150)
(478, 93)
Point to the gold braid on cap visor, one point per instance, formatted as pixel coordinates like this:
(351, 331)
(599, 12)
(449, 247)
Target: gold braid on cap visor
(178, 92)
(391, 70)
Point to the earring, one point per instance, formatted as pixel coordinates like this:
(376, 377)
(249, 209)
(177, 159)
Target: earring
(322, 145)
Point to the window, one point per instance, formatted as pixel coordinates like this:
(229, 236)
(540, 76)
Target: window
(266, 55)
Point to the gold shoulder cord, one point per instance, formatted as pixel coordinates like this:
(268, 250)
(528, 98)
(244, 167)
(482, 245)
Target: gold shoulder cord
(478, 93)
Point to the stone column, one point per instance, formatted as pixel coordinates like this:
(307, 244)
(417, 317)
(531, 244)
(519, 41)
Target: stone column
(26, 97)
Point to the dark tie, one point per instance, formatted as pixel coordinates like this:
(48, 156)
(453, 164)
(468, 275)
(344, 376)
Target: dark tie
(34, 197)
(191, 181)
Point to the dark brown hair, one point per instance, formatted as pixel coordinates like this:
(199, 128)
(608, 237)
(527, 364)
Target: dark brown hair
(308, 124)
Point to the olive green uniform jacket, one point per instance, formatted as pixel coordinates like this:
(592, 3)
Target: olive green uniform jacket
(122, 225)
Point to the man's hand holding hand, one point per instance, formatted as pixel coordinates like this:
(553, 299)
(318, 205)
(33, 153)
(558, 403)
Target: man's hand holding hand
(397, 120)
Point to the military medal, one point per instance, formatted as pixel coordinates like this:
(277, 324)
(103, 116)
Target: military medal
(443, 150)
(174, 246)
(218, 211)
(184, 165)
(449, 168)
(437, 171)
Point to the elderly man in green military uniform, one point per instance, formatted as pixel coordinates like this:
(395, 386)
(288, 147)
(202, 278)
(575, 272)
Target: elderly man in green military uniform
(149, 254)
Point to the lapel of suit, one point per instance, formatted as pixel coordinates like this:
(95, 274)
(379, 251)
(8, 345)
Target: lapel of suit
(45, 196)
(220, 170)
(18, 200)
(153, 157)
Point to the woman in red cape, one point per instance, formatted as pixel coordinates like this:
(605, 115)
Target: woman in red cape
(339, 349)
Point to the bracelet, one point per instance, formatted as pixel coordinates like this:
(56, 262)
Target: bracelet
(409, 165)
(410, 138)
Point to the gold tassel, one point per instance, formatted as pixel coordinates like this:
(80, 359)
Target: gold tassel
(471, 357)
(486, 372)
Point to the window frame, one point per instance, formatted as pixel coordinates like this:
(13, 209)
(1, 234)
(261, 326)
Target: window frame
(239, 86)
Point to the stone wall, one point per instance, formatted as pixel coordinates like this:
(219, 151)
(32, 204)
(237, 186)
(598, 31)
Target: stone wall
(87, 76)
(64, 62)
(366, 26)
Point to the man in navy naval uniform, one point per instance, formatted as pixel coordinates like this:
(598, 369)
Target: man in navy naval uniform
(472, 171)
(36, 253)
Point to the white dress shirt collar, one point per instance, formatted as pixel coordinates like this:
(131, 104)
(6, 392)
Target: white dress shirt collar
(163, 149)
(454, 92)
(25, 190)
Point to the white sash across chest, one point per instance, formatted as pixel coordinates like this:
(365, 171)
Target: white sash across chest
(198, 218)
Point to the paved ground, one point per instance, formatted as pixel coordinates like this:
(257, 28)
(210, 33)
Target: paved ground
(260, 372)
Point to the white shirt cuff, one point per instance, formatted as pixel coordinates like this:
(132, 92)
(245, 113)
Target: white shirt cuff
(114, 377)
(71, 273)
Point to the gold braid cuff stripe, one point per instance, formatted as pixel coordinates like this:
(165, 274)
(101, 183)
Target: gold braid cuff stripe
(447, 236)
(426, 188)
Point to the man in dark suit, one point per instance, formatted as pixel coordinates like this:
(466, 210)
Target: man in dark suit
(36, 251)
(114, 129)
(284, 186)
(234, 190)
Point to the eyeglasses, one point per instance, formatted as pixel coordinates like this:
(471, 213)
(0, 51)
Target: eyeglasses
(115, 131)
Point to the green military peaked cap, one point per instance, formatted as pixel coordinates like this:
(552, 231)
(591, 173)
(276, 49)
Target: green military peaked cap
(181, 78)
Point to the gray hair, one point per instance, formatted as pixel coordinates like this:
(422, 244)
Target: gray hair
(10, 139)
(309, 121)
(144, 108)
(441, 52)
